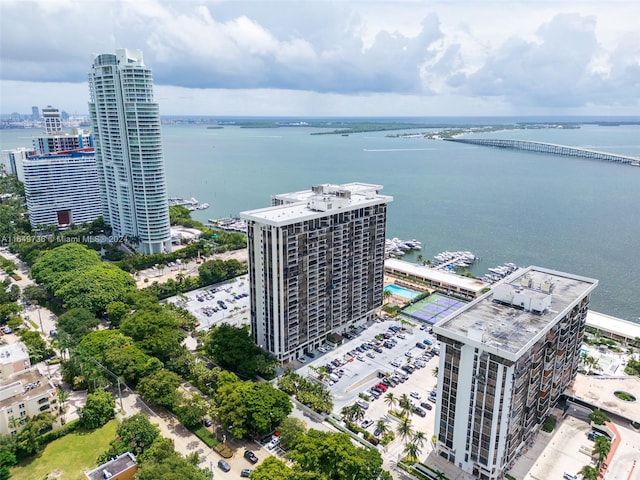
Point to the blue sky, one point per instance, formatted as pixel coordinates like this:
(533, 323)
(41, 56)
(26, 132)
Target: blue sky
(325, 57)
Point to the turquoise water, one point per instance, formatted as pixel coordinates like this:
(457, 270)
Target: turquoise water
(402, 292)
(568, 214)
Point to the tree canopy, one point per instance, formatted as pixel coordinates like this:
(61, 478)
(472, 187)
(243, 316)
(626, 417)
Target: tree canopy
(51, 264)
(98, 409)
(335, 457)
(247, 408)
(93, 287)
(160, 388)
(77, 322)
(233, 348)
(135, 434)
(155, 331)
(162, 462)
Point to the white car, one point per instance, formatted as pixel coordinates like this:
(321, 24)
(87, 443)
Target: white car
(402, 336)
(275, 441)
(302, 360)
(408, 354)
(415, 395)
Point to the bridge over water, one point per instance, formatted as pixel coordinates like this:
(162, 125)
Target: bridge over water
(549, 148)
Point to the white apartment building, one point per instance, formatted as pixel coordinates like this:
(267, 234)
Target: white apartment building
(128, 144)
(62, 189)
(505, 360)
(12, 161)
(316, 265)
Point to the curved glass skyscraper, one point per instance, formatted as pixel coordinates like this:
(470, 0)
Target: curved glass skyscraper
(128, 146)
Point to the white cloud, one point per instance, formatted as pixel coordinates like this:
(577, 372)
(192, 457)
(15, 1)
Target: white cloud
(516, 56)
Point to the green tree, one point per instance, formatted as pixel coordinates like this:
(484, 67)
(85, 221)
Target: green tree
(93, 287)
(335, 457)
(77, 322)
(382, 426)
(7, 460)
(34, 294)
(291, 429)
(135, 434)
(272, 469)
(233, 348)
(160, 388)
(162, 462)
(404, 429)
(390, 399)
(192, 410)
(598, 417)
(216, 271)
(251, 408)
(155, 331)
(412, 450)
(589, 473)
(98, 410)
(53, 264)
(36, 346)
(116, 312)
(601, 448)
(405, 405)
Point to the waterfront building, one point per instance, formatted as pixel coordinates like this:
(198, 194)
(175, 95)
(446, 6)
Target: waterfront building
(505, 360)
(12, 161)
(62, 189)
(422, 279)
(35, 113)
(127, 137)
(316, 265)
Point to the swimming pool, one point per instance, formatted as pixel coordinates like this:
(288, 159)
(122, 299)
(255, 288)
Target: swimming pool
(401, 292)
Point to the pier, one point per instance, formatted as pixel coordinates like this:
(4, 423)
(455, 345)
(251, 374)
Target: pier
(549, 148)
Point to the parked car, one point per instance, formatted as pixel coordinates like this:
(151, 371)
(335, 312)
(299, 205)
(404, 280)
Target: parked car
(245, 473)
(367, 423)
(207, 422)
(249, 455)
(426, 341)
(224, 466)
(421, 345)
(415, 395)
(419, 411)
(275, 441)
(362, 404)
(426, 405)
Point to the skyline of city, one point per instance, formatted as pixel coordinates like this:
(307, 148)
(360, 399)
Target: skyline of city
(329, 58)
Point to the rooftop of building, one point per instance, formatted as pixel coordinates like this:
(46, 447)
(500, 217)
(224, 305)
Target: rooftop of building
(318, 202)
(13, 352)
(599, 390)
(471, 284)
(23, 386)
(113, 467)
(517, 312)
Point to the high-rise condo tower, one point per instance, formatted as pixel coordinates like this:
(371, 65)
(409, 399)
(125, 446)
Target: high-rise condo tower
(128, 145)
(316, 265)
(505, 360)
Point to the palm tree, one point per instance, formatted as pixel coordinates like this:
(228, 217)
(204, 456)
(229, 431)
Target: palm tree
(382, 427)
(412, 451)
(601, 448)
(419, 438)
(404, 428)
(386, 294)
(358, 414)
(435, 371)
(63, 395)
(405, 405)
(589, 473)
(349, 412)
(390, 399)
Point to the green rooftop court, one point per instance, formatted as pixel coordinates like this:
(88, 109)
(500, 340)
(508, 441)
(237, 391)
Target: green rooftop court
(433, 308)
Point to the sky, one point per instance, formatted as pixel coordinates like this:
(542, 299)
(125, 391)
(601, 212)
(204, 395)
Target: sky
(333, 57)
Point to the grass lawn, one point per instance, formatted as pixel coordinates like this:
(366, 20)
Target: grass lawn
(67, 458)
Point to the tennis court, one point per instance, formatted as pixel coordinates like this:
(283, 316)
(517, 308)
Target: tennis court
(433, 308)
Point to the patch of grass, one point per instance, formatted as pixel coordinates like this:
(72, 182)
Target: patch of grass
(205, 435)
(69, 456)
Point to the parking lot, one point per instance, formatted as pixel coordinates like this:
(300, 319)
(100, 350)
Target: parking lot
(359, 372)
(224, 302)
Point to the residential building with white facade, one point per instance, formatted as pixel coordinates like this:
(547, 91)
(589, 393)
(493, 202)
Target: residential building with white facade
(128, 145)
(316, 265)
(62, 189)
(505, 360)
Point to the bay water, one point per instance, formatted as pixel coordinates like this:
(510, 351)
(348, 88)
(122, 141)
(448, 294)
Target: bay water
(568, 214)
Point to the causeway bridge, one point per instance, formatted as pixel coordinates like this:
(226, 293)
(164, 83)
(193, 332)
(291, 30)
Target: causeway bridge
(549, 148)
